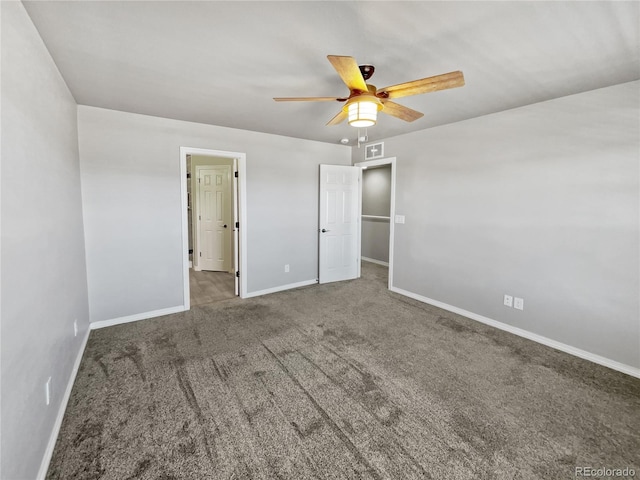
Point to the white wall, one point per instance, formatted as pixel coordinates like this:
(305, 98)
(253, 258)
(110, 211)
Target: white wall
(44, 286)
(540, 202)
(131, 201)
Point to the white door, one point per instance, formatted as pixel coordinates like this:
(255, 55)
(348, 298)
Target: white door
(339, 223)
(214, 222)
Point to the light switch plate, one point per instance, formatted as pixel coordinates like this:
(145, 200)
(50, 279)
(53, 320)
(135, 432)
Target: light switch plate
(399, 218)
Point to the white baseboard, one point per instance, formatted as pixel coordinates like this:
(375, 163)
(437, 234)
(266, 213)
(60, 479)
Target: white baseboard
(563, 347)
(373, 260)
(137, 316)
(48, 453)
(280, 288)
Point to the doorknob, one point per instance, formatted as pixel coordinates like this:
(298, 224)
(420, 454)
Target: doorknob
(225, 225)
(324, 230)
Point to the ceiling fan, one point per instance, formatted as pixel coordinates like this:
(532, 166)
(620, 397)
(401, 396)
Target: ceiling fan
(365, 101)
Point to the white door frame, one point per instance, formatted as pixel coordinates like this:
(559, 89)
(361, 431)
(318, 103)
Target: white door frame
(392, 213)
(241, 196)
(236, 221)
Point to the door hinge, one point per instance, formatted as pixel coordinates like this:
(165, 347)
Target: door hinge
(237, 224)
(235, 174)
(198, 179)
(191, 251)
(238, 274)
(188, 175)
(200, 253)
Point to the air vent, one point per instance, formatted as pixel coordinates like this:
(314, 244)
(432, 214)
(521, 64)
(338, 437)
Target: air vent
(374, 150)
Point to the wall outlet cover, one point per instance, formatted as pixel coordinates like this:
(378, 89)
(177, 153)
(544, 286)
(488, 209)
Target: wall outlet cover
(518, 303)
(508, 301)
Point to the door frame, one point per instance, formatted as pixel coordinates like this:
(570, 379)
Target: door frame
(392, 210)
(240, 199)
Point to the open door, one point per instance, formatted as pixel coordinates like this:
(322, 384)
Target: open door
(339, 232)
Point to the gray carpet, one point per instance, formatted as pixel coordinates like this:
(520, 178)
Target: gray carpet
(338, 381)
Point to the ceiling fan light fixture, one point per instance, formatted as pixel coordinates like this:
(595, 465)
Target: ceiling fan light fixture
(363, 113)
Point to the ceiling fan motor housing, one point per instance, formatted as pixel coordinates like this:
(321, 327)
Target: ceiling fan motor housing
(367, 71)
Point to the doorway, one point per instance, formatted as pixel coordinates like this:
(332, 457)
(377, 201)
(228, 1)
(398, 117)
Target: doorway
(378, 212)
(214, 225)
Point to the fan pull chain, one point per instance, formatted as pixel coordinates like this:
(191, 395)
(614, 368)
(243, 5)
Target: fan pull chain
(361, 138)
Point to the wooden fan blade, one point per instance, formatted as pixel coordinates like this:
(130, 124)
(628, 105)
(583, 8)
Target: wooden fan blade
(309, 99)
(338, 118)
(400, 111)
(349, 71)
(424, 85)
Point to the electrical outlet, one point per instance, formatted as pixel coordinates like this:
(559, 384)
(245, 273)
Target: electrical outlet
(47, 391)
(518, 303)
(508, 301)
(75, 327)
(286, 268)
(399, 218)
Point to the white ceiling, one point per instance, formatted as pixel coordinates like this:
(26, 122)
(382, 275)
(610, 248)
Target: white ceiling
(222, 62)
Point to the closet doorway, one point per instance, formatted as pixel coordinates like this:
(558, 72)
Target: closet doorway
(378, 212)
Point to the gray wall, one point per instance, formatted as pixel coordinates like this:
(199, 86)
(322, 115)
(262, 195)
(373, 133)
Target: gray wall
(376, 191)
(376, 200)
(44, 286)
(131, 200)
(540, 202)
